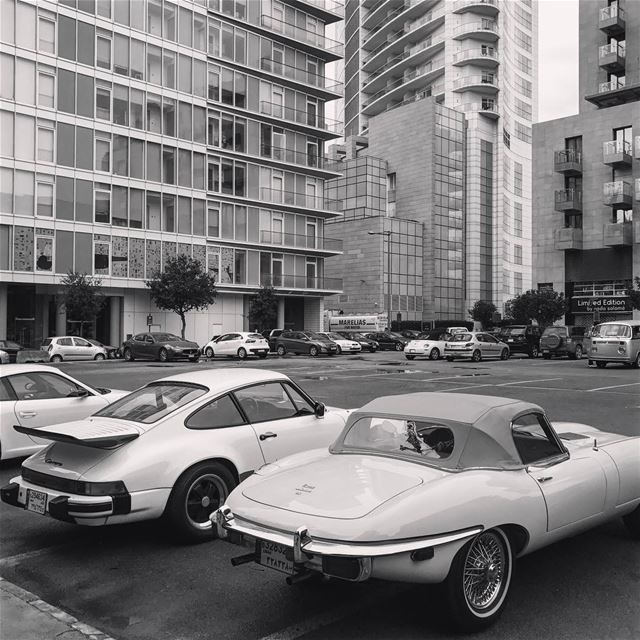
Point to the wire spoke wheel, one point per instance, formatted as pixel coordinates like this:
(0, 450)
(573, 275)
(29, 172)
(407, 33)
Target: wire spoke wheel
(204, 496)
(484, 571)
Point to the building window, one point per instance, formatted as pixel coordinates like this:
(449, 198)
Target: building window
(517, 283)
(102, 203)
(45, 144)
(103, 51)
(517, 254)
(44, 203)
(101, 258)
(46, 90)
(103, 102)
(44, 253)
(46, 35)
(103, 153)
(506, 138)
(184, 215)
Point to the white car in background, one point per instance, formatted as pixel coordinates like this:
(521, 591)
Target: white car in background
(4, 357)
(344, 344)
(241, 344)
(72, 348)
(175, 447)
(430, 345)
(37, 396)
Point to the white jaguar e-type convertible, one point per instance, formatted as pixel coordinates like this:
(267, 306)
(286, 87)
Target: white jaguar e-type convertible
(435, 487)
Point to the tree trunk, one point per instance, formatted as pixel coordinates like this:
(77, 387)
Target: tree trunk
(184, 324)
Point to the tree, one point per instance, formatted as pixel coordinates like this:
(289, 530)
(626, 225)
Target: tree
(634, 294)
(482, 311)
(545, 306)
(263, 310)
(82, 297)
(182, 287)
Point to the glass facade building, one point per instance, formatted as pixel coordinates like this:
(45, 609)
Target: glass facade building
(136, 131)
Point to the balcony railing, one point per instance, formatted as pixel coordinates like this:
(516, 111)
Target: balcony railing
(612, 85)
(568, 200)
(409, 75)
(617, 48)
(391, 38)
(312, 38)
(611, 19)
(294, 240)
(277, 110)
(618, 194)
(385, 19)
(568, 161)
(618, 234)
(300, 74)
(616, 153)
(461, 5)
(612, 56)
(286, 281)
(489, 26)
(612, 11)
(329, 5)
(567, 239)
(282, 154)
(486, 107)
(491, 55)
(488, 80)
(299, 199)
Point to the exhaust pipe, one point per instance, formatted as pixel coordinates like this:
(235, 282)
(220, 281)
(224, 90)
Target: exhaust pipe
(245, 559)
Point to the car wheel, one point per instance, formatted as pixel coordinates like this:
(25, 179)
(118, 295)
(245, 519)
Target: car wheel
(198, 492)
(163, 356)
(600, 364)
(534, 352)
(281, 350)
(504, 354)
(435, 354)
(372, 350)
(478, 582)
(409, 357)
(99, 356)
(242, 353)
(476, 356)
(399, 346)
(578, 354)
(632, 522)
(128, 356)
(56, 358)
(208, 352)
(339, 351)
(636, 362)
(313, 351)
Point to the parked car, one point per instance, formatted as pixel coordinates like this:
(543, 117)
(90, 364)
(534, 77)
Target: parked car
(365, 343)
(72, 348)
(453, 330)
(410, 333)
(430, 344)
(159, 346)
(271, 337)
(521, 338)
(11, 348)
(435, 488)
(617, 341)
(112, 352)
(475, 346)
(37, 396)
(307, 342)
(388, 340)
(345, 345)
(174, 448)
(564, 340)
(4, 357)
(241, 344)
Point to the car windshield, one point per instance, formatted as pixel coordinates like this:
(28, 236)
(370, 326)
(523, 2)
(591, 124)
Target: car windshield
(94, 342)
(335, 336)
(255, 336)
(555, 331)
(513, 331)
(615, 331)
(155, 401)
(427, 441)
(7, 344)
(165, 337)
(461, 337)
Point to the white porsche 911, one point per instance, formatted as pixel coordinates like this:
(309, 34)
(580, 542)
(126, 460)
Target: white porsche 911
(175, 447)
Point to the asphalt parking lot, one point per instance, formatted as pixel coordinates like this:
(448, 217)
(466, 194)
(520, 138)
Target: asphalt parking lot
(132, 582)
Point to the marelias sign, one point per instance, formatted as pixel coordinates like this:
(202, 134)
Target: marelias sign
(604, 304)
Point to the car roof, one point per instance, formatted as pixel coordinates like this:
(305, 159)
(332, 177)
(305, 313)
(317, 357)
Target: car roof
(632, 323)
(29, 368)
(227, 378)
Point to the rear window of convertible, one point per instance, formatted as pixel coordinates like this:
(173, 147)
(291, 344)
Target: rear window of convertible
(155, 401)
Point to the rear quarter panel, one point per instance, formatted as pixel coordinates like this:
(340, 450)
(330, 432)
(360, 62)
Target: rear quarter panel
(626, 457)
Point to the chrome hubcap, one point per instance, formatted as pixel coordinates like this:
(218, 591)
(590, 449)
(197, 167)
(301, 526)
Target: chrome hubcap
(484, 571)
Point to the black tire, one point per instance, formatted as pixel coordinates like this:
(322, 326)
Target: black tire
(504, 354)
(435, 354)
(262, 356)
(99, 356)
(56, 358)
(399, 346)
(636, 362)
(478, 582)
(242, 353)
(127, 355)
(194, 359)
(632, 522)
(281, 350)
(339, 351)
(601, 364)
(163, 356)
(534, 352)
(546, 356)
(208, 352)
(449, 359)
(372, 350)
(578, 353)
(197, 493)
(476, 356)
(313, 351)
(409, 357)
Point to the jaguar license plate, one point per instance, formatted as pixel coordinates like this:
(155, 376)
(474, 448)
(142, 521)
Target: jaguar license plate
(36, 501)
(276, 556)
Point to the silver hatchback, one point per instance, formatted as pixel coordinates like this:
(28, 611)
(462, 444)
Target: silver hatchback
(475, 346)
(72, 348)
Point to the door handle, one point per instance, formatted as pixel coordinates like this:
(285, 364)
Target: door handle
(269, 434)
(28, 414)
(544, 478)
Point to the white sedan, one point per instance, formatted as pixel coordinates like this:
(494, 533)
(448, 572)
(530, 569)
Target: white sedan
(175, 447)
(431, 345)
(436, 488)
(36, 396)
(239, 344)
(344, 344)
(475, 346)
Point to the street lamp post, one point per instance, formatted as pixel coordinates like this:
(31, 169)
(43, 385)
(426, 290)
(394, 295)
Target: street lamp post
(388, 236)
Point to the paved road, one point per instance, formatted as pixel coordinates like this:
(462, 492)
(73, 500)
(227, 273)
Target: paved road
(133, 583)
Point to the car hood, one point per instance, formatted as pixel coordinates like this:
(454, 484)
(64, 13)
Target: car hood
(180, 343)
(337, 486)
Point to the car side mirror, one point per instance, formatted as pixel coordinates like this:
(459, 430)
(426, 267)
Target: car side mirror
(78, 393)
(320, 410)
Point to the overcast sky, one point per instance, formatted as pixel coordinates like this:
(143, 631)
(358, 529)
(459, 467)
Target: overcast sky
(558, 58)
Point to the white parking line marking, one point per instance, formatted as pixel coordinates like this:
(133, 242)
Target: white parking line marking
(27, 555)
(615, 386)
(470, 386)
(507, 384)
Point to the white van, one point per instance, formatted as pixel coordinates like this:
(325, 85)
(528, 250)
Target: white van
(617, 341)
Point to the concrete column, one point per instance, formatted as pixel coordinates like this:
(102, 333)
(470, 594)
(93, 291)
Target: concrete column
(61, 320)
(115, 332)
(3, 311)
(280, 323)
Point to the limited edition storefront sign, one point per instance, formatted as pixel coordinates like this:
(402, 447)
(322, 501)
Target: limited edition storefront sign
(604, 304)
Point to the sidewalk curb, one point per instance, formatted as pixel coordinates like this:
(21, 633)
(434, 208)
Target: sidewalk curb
(91, 633)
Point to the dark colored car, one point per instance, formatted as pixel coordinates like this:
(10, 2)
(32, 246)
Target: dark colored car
(271, 337)
(362, 340)
(521, 338)
(159, 346)
(390, 341)
(11, 348)
(410, 333)
(565, 340)
(304, 342)
(112, 352)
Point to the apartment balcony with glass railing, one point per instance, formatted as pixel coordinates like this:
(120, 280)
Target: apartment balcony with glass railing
(299, 241)
(568, 200)
(611, 19)
(617, 234)
(618, 194)
(313, 283)
(299, 199)
(611, 57)
(483, 7)
(478, 56)
(302, 117)
(289, 156)
(617, 153)
(478, 29)
(567, 239)
(483, 83)
(567, 162)
(310, 41)
(327, 10)
(486, 107)
(327, 88)
(612, 85)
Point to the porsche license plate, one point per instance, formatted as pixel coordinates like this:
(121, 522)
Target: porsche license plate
(36, 501)
(276, 556)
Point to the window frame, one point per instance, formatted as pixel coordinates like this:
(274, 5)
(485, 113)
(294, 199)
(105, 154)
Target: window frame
(552, 436)
(270, 419)
(229, 394)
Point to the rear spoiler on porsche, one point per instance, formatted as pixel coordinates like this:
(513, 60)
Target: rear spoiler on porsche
(94, 436)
